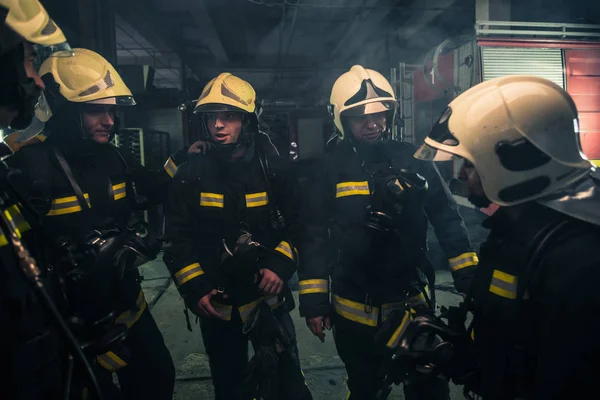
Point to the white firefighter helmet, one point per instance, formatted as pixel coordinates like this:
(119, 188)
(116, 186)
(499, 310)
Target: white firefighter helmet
(520, 132)
(361, 91)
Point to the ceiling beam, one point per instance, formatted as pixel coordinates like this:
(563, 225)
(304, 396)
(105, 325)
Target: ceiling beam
(142, 16)
(201, 17)
(229, 26)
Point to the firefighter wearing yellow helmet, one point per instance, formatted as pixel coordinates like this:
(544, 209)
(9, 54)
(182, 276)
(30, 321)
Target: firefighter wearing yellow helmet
(86, 192)
(519, 139)
(36, 340)
(376, 200)
(27, 36)
(233, 251)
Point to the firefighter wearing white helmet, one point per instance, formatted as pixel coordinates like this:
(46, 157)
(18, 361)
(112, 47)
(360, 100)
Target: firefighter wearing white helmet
(519, 138)
(375, 199)
(233, 252)
(87, 193)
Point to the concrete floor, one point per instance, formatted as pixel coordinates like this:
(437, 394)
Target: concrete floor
(322, 367)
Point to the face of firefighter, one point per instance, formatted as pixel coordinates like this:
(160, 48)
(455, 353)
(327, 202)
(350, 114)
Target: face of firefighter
(224, 126)
(368, 128)
(9, 112)
(98, 122)
(477, 196)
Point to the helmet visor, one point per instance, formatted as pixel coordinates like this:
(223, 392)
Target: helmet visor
(369, 108)
(115, 101)
(429, 153)
(216, 107)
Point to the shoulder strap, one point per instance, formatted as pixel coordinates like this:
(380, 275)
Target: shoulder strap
(66, 170)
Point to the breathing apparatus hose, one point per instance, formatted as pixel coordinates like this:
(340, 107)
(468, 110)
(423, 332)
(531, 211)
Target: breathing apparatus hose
(33, 274)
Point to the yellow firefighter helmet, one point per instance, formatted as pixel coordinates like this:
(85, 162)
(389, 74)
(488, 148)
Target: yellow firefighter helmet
(227, 92)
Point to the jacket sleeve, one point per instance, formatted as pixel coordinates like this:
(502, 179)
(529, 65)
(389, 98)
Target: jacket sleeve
(175, 160)
(314, 270)
(567, 363)
(284, 260)
(182, 256)
(442, 212)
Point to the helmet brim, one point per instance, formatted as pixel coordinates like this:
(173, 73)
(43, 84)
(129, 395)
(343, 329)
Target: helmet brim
(429, 153)
(114, 101)
(369, 108)
(216, 107)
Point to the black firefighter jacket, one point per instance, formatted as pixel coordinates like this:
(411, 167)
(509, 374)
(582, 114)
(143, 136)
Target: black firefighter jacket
(537, 337)
(107, 185)
(211, 201)
(31, 347)
(370, 278)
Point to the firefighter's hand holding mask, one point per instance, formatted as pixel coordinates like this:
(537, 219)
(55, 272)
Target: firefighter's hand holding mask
(205, 307)
(270, 283)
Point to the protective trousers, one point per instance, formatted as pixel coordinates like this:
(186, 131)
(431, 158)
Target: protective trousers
(149, 373)
(227, 350)
(363, 361)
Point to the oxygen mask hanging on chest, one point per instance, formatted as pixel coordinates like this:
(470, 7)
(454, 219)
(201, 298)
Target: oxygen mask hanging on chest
(393, 196)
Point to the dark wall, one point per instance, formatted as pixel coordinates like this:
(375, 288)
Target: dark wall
(577, 11)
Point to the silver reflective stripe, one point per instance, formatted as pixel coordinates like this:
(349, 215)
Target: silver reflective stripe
(463, 261)
(67, 205)
(111, 361)
(313, 286)
(344, 189)
(119, 190)
(504, 285)
(355, 311)
(285, 249)
(188, 273)
(256, 199)
(170, 167)
(211, 200)
(397, 335)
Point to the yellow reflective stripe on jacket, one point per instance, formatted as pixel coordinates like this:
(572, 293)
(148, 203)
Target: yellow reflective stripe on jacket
(256, 199)
(504, 285)
(314, 286)
(224, 309)
(463, 261)
(129, 318)
(355, 311)
(111, 361)
(285, 249)
(119, 190)
(415, 302)
(67, 205)
(170, 167)
(211, 200)
(395, 338)
(246, 309)
(344, 189)
(13, 213)
(188, 273)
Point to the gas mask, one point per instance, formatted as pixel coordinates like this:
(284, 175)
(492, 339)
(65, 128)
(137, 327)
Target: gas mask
(392, 194)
